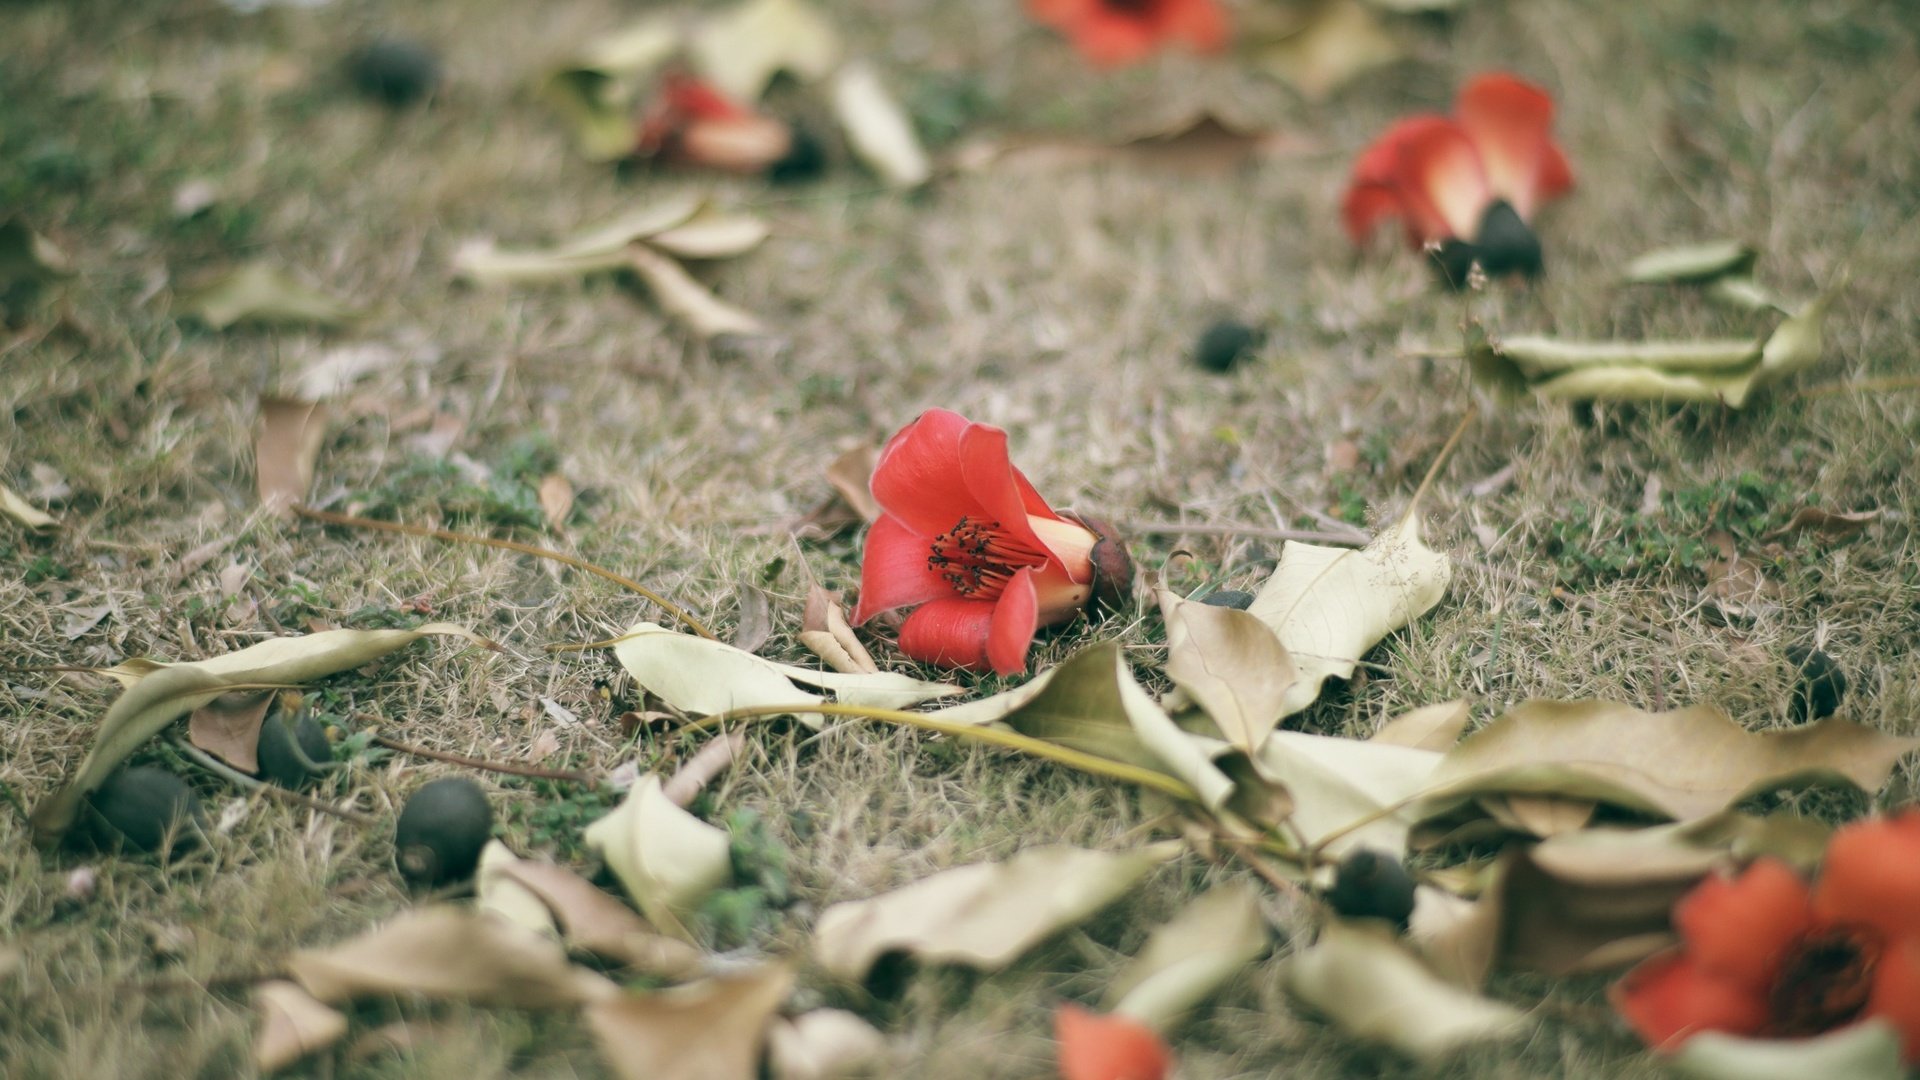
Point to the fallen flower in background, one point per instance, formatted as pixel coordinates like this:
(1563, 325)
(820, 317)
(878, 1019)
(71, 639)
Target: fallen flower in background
(1113, 33)
(967, 538)
(1104, 1047)
(1468, 183)
(691, 122)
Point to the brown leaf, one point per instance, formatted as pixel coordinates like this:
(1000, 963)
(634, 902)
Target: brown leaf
(1430, 727)
(592, 921)
(449, 953)
(556, 499)
(699, 770)
(709, 1030)
(228, 727)
(1827, 524)
(1339, 40)
(1538, 815)
(284, 450)
(824, 1044)
(756, 618)
(826, 633)
(292, 1025)
(851, 475)
(1230, 664)
(1198, 142)
(687, 301)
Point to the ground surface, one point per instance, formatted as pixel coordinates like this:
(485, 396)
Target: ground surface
(1060, 307)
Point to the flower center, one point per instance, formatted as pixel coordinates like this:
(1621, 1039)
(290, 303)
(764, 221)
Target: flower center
(1824, 981)
(977, 558)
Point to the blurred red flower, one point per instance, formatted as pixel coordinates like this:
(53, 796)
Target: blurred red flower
(692, 123)
(1112, 33)
(1765, 955)
(1472, 180)
(1097, 1047)
(963, 535)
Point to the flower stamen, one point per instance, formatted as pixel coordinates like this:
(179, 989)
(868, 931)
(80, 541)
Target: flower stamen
(1824, 982)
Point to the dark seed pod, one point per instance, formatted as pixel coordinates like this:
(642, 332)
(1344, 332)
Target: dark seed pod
(143, 809)
(805, 160)
(1819, 684)
(1371, 885)
(1233, 598)
(441, 831)
(1225, 344)
(291, 756)
(1505, 243)
(394, 72)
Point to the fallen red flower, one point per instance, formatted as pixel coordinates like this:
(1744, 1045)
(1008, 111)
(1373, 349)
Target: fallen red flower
(1469, 182)
(963, 535)
(1097, 1047)
(690, 122)
(1111, 33)
(1766, 956)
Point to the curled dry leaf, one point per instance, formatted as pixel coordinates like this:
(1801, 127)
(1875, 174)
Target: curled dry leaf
(1346, 793)
(713, 1029)
(588, 919)
(263, 293)
(1190, 957)
(599, 248)
(1827, 524)
(982, 916)
(1368, 985)
(498, 892)
(158, 694)
(667, 859)
(1864, 1051)
(878, 130)
(687, 301)
(1330, 605)
(756, 617)
(1430, 727)
(292, 1025)
(705, 677)
(824, 1044)
(284, 450)
(1200, 142)
(708, 762)
(851, 475)
(825, 632)
(740, 50)
(22, 511)
(1339, 40)
(228, 727)
(1683, 764)
(1542, 816)
(449, 953)
(711, 234)
(1231, 665)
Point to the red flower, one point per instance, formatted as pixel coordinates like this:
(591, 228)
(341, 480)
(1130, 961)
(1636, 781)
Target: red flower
(965, 536)
(1111, 33)
(691, 122)
(1765, 955)
(1096, 1047)
(1471, 180)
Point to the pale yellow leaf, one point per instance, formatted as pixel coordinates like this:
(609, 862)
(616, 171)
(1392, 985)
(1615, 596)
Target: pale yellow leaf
(825, 1044)
(260, 292)
(292, 1025)
(1185, 960)
(22, 511)
(687, 301)
(741, 49)
(1231, 665)
(878, 130)
(449, 953)
(667, 860)
(1863, 1051)
(284, 450)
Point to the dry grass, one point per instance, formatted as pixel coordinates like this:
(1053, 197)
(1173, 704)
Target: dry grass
(1059, 308)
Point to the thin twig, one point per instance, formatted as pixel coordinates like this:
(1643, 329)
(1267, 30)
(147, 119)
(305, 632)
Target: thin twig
(1440, 460)
(219, 768)
(351, 522)
(1355, 538)
(482, 764)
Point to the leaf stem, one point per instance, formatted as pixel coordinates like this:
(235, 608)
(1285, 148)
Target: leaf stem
(484, 765)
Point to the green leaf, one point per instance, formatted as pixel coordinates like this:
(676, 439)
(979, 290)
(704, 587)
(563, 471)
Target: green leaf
(1693, 263)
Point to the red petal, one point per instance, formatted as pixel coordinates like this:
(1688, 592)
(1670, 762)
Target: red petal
(917, 477)
(1373, 191)
(995, 486)
(1096, 1047)
(1110, 41)
(699, 100)
(951, 632)
(1365, 207)
(1443, 189)
(1511, 121)
(1740, 928)
(1668, 998)
(1872, 876)
(1896, 993)
(1200, 23)
(894, 572)
(1556, 176)
(1015, 618)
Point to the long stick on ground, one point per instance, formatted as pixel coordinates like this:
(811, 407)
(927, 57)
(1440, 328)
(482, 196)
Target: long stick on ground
(483, 764)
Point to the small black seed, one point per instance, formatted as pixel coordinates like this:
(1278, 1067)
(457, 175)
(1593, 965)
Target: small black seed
(441, 831)
(1506, 244)
(280, 763)
(1819, 684)
(1224, 345)
(1369, 884)
(805, 160)
(143, 809)
(394, 72)
(1233, 598)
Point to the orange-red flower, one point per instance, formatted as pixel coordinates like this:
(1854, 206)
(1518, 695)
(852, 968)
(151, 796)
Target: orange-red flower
(1097, 1047)
(1469, 182)
(1766, 955)
(967, 538)
(690, 122)
(1111, 33)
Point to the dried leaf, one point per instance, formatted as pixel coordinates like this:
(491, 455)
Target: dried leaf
(228, 727)
(1827, 524)
(711, 234)
(740, 50)
(687, 301)
(556, 500)
(593, 922)
(335, 372)
(449, 953)
(706, 763)
(22, 511)
(824, 1044)
(1430, 727)
(284, 450)
(1342, 39)
(1539, 815)
(158, 694)
(263, 293)
(666, 859)
(1370, 987)
(292, 1025)
(1692, 264)
(825, 632)
(1187, 959)
(851, 475)
(878, 130)
(1330, 605)
(1683, 764)
(1346, 793)
(1199, 142)
(705, 677)
(1863, 1051)
(709, 1030)
(595, 92)
(496, 890)
(756, 618)
(981, 916)
(597, 249)
(1231, 665)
